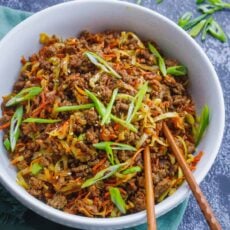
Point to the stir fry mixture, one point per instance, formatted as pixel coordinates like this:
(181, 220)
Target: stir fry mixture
(80, 114)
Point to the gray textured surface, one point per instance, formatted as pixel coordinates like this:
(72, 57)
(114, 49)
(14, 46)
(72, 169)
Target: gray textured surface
(216, 185)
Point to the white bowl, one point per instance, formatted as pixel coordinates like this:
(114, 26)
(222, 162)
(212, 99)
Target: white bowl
(68, 19)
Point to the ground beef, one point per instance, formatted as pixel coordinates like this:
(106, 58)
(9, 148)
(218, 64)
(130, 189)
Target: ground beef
(58, 201)
(92, 136)
(161, 187)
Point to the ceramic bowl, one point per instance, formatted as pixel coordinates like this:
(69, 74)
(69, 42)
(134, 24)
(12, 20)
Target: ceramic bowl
(69, 19)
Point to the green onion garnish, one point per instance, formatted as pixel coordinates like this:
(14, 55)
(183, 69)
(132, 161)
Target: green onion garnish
(73, 107)
(117, 199)
(24, 95)
(98, 104)
(209, 9)
(110, 146)
(41, 120)
(177, 70)
(14, 127)
(106, 117)
(203, 124)
(137, 102)
(123, 123)
(194, 21)
(103, 174)
(161, 62)
(101, 63)
(36, 168)
(7, 144)
(131, 170)
(216, 31)
(206, 27)
(197, 28)
(199, 1)
(184, 19)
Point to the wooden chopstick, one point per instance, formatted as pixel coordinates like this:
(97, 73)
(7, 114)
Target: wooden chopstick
(201, 200)
(150, 204)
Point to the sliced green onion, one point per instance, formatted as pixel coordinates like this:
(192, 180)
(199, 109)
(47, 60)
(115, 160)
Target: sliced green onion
(177, 70)
(206, 26)
(161, 62)
(197, 28)
(36, 168)
(123, 123)
(103, 174)
(209, 9)
(199, 1)
(184, 19)
(220, 3)
(106, 117)
(216, 31)
(137, 102)
(101, 63)
(131, 170)
(203, 124)
(98, 104)
(110, 146)
(194, 21)
(117, 199)
(24, 95)
(114, 145)
(7, 144)
(73, 107)
(41, 120)
(14, 127)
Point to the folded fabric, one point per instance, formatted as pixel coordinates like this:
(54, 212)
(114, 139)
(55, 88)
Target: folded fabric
(15, 216)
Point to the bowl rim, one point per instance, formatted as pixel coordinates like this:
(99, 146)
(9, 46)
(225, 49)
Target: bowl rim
(69, 219)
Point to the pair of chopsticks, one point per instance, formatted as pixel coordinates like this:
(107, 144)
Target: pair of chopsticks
(203, 203)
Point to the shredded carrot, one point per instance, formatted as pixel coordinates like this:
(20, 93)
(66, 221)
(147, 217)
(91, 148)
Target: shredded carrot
(6, 125)
(98, 165)
(38, 110)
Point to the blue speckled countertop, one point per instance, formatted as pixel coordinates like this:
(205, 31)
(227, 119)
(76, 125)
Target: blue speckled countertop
(216, 185)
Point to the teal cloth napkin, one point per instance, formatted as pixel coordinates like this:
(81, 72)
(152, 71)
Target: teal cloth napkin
(17, 217)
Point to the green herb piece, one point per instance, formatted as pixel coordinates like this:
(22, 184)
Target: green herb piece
(203, 124)
(209, 9)
(220, 3)
(110, 146)
(36, 168)
(117, 199)
(199, 1)
(216, 31)
(14, 127)
(159, 1)
(73, 107)
(194, 21)
(184, 19)
(197, 28)
(41, 120)
(106, 117)
(177, 70)
(206, 26)
(137, 102)
(24, 95)
(7, 144)
(98, 104)
(103, 174)
(114, 145)
(161, 62)
(101, 63)
(123, 123)
(131, 170)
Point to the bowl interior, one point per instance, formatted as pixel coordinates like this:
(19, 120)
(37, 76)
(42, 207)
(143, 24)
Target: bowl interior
(69, 19)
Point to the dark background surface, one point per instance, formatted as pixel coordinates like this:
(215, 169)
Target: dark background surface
(216, 185)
